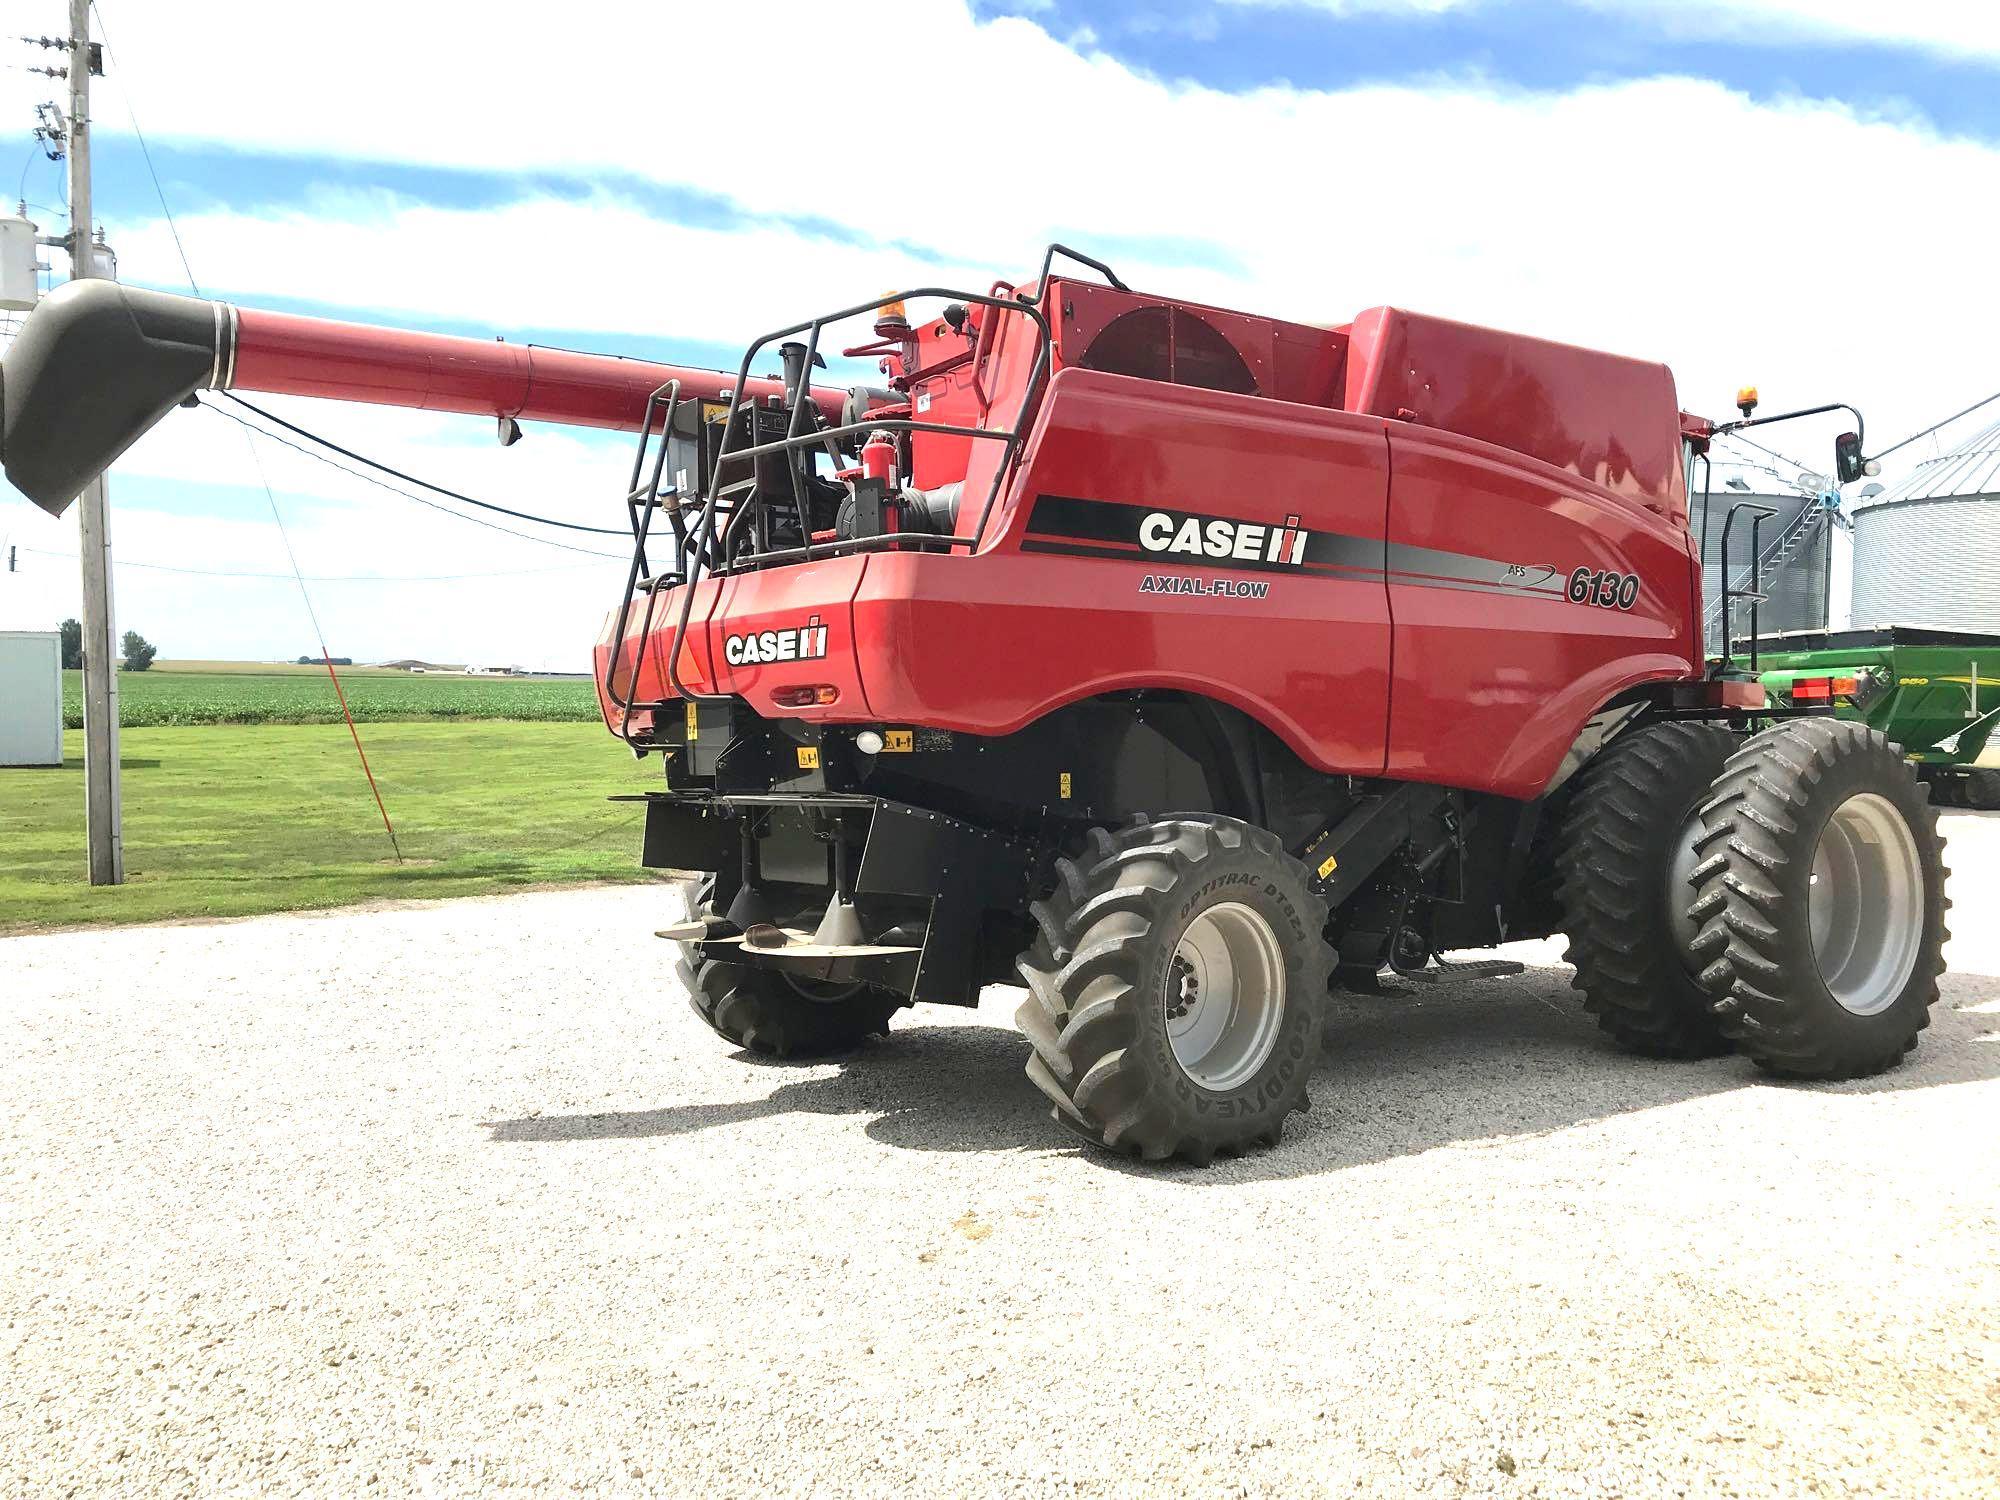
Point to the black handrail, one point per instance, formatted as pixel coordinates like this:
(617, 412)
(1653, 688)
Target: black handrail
(647, 498)
(1049, 260)
(1759, 514)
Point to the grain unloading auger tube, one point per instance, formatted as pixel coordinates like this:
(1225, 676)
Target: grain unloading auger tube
(98, 364)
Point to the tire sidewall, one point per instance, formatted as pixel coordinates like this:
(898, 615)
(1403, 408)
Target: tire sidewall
(1281, 899)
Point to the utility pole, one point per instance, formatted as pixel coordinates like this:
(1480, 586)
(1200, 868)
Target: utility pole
(100, 645)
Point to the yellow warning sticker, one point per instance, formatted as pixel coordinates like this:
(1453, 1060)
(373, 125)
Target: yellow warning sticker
(1065, 786)
(1327, 866)
(808, 757)
(694, 720)
(898, 741)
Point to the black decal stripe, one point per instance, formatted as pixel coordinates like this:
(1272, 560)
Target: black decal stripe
(1077, 549)
(1088, 520)
(1337, 549)
(1071, 526)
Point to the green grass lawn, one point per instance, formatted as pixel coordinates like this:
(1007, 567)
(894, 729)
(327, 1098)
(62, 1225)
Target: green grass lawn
(246, 693)
(227, 821)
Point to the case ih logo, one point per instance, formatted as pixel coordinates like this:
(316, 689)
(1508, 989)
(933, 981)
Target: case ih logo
(805, 642)
(1154, 533)
(1242, 541)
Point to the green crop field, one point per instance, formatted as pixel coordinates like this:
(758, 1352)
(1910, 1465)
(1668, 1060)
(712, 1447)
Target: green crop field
(243, 693)
(231, 820)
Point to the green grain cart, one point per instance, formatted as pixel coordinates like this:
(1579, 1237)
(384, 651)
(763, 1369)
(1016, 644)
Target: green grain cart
(1934, 692)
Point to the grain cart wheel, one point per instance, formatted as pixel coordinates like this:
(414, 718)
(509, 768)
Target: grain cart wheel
(1947, 788)
(772, 1013)
(1175, 993)
(1821, 901)
(1982, 791)
(1626, 853)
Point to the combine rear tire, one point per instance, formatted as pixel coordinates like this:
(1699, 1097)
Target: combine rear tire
(767, 1012)
(1626, 855)
(763, 1011)
(1175, 994)
(1822, 901)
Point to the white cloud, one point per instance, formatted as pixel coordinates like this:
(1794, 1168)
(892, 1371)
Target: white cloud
(1796, 245)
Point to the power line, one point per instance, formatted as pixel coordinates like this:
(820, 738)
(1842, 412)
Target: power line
(153, 567)
(253, 428)
(181, 250)
(425, 484)
(1737, 437)
(80, 23)
(1936, 425)
(146, 151)
(325, 655)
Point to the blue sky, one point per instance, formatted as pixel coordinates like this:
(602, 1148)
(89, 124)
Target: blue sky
(1727, 187)
(1526, 44)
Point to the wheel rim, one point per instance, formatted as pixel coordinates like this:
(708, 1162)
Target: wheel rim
(822, 991)
(1866, 904)
(1680, 888)
(1225, 996)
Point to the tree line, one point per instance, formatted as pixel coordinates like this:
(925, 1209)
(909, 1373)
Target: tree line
(135, 651)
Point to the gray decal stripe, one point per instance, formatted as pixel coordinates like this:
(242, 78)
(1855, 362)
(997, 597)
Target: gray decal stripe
(1460, 567)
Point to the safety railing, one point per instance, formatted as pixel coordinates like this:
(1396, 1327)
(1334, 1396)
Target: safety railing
(709, 550)
(643, 501)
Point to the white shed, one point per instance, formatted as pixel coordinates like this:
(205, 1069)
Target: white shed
(31, 717)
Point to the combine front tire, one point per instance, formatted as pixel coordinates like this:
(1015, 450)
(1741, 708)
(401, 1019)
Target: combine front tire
(1822, 901)
(1175, 992)
(1626, 855)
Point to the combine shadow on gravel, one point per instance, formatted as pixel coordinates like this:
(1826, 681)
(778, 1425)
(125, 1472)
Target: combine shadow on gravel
(931, 1088)
(1482, 1060)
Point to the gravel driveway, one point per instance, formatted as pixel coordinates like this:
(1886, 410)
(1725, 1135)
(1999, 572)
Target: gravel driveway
(462, 1197)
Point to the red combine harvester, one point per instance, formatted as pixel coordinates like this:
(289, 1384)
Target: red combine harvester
(1173, 661)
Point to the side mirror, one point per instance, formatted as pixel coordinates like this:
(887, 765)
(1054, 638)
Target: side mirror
(1847, 460)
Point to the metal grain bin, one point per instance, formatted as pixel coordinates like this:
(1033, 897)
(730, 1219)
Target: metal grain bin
(1927, 551)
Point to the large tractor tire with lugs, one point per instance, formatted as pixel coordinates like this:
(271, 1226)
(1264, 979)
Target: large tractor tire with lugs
(1176, 989)
(771, 1013)
(1625, 862)
(1821, 901)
